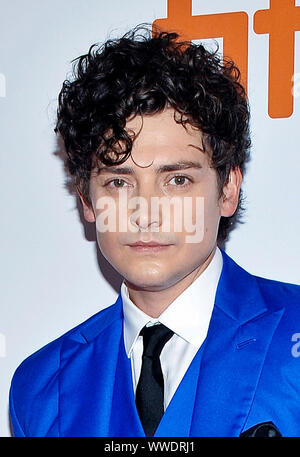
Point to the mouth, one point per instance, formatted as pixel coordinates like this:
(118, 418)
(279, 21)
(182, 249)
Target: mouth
(151, 246)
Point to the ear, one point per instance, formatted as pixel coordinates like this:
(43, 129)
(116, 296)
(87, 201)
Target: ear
(88, 211)
(231, 192)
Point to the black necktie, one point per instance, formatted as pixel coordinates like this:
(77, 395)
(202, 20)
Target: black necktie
(150, 389)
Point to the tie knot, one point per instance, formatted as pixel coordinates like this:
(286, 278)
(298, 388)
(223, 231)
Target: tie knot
(154, 339)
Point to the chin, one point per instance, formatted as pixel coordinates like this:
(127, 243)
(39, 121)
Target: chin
(147, 280)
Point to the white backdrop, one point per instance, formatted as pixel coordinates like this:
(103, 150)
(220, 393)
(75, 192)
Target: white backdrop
(53, 276)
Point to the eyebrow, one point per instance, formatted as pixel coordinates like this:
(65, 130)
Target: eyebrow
(180, 165)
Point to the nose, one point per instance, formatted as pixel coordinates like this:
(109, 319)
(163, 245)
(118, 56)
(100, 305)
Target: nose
(146, 216)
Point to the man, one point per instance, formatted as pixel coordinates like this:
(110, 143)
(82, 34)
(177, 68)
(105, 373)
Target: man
(157, 138)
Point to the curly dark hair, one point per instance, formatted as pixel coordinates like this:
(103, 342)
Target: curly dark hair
(143, 73)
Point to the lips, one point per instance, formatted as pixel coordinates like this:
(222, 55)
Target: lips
(149, 247)
(148, 244)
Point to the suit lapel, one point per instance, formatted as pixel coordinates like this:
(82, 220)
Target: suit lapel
(238, 339)
(124, 420)
(177, 418)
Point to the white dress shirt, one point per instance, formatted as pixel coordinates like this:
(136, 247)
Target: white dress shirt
(188, 316)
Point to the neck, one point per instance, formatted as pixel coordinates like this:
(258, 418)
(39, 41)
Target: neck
(153, 303)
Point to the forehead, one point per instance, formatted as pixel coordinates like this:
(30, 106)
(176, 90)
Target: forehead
(159, 138)
(162, 129)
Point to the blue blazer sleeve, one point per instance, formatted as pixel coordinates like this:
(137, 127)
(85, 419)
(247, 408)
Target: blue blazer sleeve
(15, 424)
(33, 397)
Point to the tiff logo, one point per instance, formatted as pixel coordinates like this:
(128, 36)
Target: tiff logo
(280, 22)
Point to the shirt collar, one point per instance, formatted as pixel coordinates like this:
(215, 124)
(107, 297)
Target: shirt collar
(188, 315)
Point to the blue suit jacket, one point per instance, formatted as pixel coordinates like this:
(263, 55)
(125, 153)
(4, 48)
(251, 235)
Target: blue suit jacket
(246, 372)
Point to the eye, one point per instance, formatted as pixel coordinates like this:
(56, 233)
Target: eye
(180, 181)
(116, 183)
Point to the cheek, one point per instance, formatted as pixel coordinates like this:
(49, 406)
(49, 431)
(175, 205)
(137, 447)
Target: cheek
(204, 215)
(212, 210)
(108, 246)
(206, 218)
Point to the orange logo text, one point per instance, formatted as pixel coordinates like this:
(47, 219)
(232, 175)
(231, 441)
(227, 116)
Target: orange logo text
(280, 22)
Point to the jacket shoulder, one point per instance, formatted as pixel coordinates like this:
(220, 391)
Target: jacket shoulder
(282, 295)
(278, 292)
(37, 377)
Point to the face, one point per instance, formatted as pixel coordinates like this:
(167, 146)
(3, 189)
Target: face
(165, 192)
